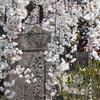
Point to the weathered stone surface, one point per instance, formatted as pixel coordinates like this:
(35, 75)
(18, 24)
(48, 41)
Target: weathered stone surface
(34, 40)
(82, 58)
(33, 91)
(33, 44)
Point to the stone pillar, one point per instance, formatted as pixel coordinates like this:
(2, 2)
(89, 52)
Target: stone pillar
(82, 58)
(33, 45)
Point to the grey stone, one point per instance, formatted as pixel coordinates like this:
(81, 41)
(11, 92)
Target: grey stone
(34, 40)
(25, 91)
(33, 44)
(82, 58)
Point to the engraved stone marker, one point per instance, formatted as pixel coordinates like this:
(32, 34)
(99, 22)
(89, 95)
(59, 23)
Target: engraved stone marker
(82, 58)
(33, 44)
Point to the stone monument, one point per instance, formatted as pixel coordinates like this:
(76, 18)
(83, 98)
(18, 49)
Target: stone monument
(33, 45)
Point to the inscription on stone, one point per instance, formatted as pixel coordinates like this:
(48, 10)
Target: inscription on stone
(33, 44)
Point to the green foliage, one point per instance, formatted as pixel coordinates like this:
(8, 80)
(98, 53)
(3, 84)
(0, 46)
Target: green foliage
(85, 74)
(1, 97)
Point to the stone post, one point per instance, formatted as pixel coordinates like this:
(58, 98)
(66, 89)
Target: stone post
(33, 45)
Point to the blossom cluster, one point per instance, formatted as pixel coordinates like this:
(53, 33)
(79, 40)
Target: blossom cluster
(9, 53)
(62, 22)
(91, 13)
(61, 18)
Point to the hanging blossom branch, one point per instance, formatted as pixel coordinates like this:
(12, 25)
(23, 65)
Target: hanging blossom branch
(9, 54)
(92, 15)
(31, 20)
(62, 21)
